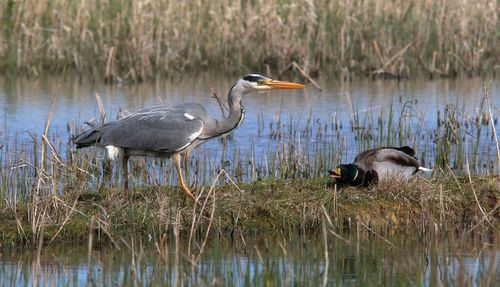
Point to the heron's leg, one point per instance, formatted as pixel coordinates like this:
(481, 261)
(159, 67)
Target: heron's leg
(185, 158)
(107, 169)
(186, 162)
(125, 172)
(176, 159)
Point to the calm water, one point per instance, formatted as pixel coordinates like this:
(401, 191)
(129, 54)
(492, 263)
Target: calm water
(25, 105)
(452, 260)
(455, 259)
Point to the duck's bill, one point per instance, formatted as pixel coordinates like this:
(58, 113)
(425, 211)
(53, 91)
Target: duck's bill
(334, 173)
(273, 84)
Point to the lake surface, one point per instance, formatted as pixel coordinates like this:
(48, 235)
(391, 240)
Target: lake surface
(344, 117)
(25, 103)
(361, 260)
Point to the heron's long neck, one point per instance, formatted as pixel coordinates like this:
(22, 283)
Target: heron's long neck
(236, 112)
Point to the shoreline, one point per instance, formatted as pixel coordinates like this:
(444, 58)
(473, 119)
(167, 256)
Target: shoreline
(284, 206)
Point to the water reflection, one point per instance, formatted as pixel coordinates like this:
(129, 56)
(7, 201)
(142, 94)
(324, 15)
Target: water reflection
(262, 261)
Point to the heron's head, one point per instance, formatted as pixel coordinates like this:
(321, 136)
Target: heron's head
(255, 82)
(344, 173)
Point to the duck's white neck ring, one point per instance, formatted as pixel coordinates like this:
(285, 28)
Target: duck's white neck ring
(356, 176)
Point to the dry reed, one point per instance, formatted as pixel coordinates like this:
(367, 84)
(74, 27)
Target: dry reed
(137, 40)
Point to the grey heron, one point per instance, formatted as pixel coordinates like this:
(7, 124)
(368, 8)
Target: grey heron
(172, 131)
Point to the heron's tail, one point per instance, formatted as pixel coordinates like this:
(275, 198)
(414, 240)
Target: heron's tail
(88, 138)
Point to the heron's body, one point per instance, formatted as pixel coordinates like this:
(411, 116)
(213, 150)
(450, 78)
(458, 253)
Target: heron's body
(158, 131)
(169, 131)
(379, 164)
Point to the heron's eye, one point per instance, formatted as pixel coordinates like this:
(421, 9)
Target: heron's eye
(261, 82)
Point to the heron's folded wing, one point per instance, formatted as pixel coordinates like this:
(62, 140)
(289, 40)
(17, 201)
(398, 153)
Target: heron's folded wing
(166, 130)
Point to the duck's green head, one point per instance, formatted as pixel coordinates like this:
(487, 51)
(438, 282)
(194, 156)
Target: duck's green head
(344, 173)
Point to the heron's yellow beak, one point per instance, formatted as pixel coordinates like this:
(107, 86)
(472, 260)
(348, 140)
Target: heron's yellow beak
(334, 173)
(273, 84)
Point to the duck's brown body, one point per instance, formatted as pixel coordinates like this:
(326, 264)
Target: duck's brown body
(379, 164)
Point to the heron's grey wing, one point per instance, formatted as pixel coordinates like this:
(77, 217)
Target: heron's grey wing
(161, 128)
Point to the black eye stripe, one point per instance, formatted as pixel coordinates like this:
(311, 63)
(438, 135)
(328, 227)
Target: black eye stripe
(253, 78)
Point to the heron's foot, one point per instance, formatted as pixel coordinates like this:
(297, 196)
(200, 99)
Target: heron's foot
(189, 194)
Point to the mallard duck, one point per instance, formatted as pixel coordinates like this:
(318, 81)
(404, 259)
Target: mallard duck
(378, 164)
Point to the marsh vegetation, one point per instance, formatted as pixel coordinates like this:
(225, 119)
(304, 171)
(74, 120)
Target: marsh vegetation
(138, 40)
(347, 258)
(266, 206)
(50, 192)
(263, 194)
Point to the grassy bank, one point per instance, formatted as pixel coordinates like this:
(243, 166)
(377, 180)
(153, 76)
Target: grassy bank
(137, 40)
(419, 206)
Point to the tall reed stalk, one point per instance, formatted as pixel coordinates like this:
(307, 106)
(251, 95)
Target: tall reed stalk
(137, 40)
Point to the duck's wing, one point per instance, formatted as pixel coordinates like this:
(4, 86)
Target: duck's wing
(406, 149)
(389, 162)
(366, 155)
(396, 156)
(376, 151)
(395, 163)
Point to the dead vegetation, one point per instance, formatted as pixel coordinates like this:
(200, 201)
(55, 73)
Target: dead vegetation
(138, 40)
